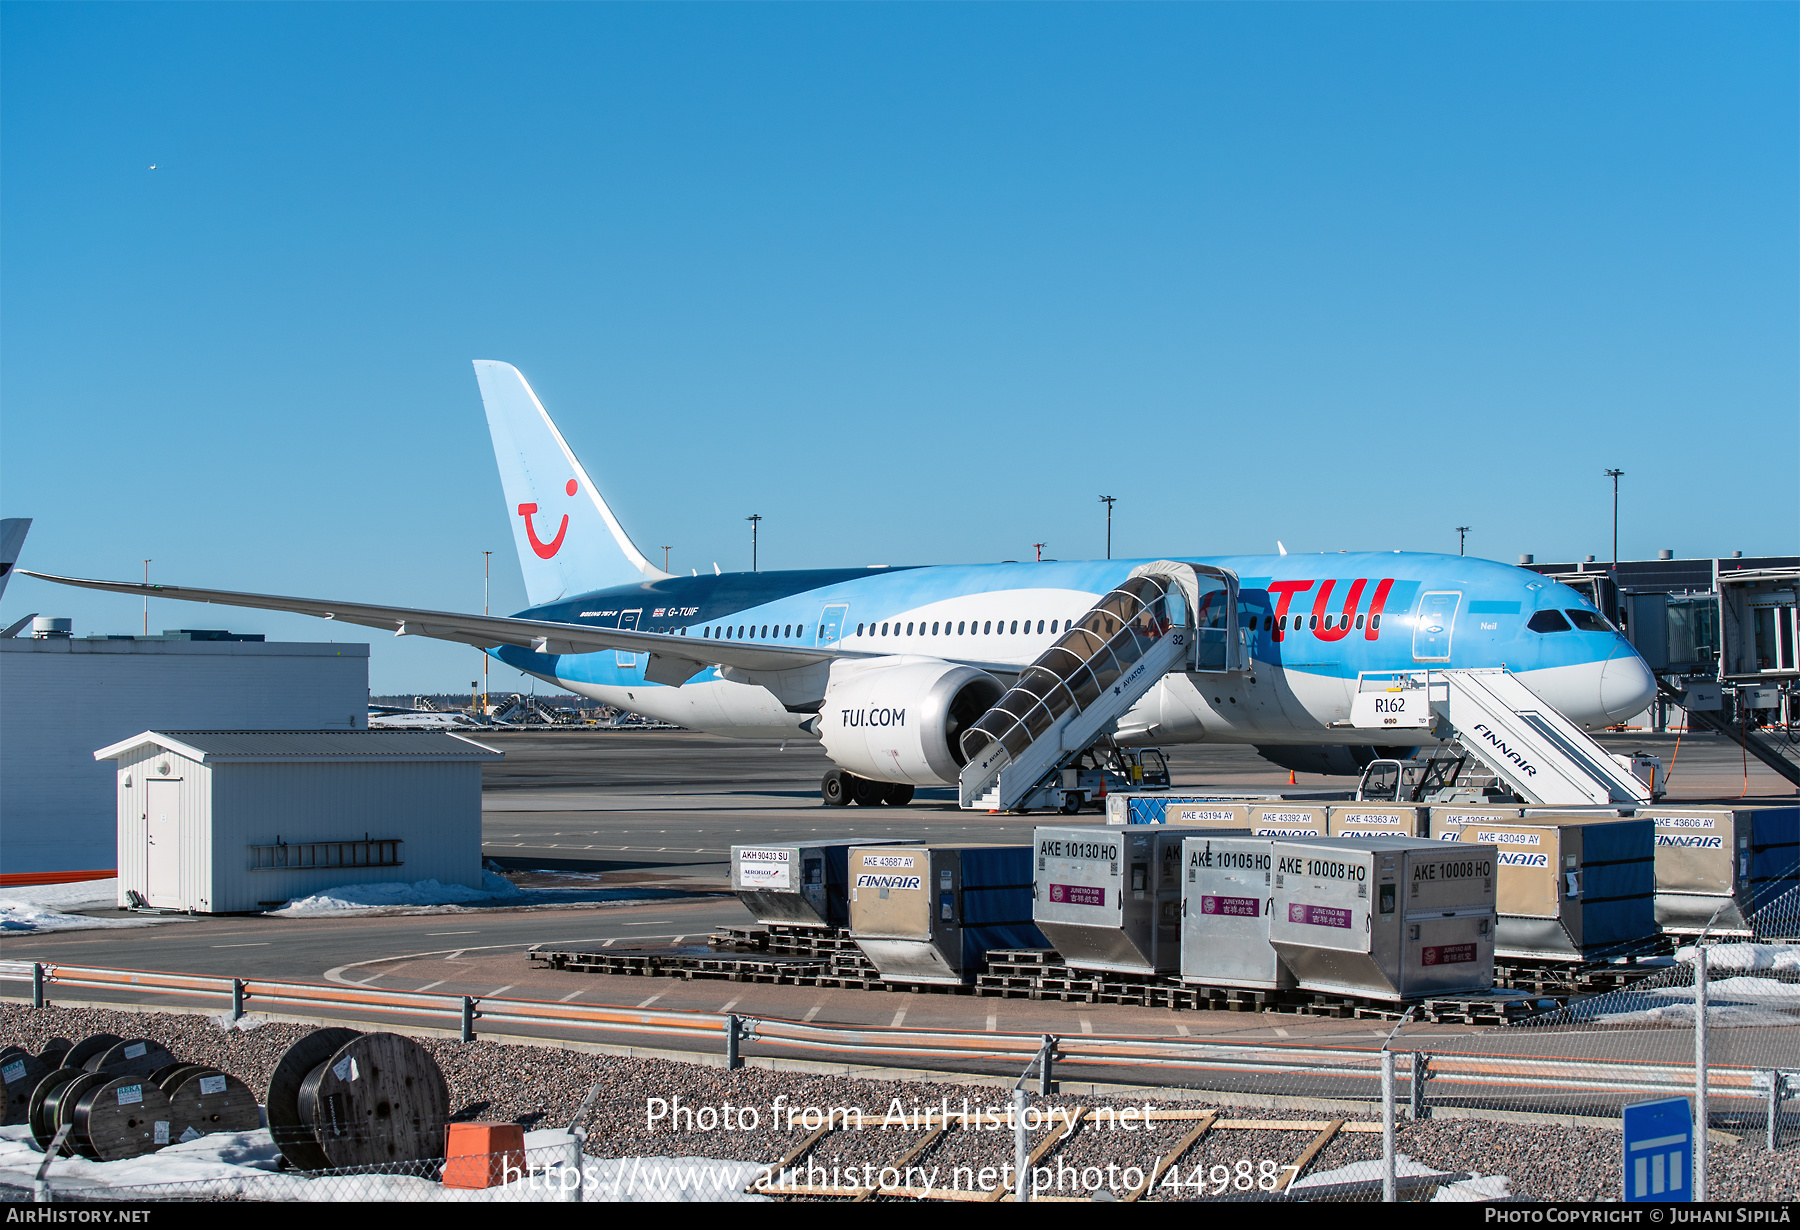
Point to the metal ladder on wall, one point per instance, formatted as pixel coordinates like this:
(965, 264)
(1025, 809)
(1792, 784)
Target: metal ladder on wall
(1545, 758)
(1074, 694)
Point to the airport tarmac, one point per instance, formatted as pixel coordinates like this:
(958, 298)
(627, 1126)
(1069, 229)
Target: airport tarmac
(661, 810)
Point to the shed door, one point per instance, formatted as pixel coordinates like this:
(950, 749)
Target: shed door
(163, 881)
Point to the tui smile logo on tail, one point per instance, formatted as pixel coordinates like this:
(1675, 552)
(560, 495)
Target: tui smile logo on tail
(545, 550)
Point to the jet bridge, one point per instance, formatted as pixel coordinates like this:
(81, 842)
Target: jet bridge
(1165, 616)
(1545, 758)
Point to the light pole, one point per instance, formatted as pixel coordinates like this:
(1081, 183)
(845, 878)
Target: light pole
(666, 559)
(1615, 475)
(1109, 501)
(1461, 533)
(1040, 550)
(755, 520)
(487, 559)
(146, 598)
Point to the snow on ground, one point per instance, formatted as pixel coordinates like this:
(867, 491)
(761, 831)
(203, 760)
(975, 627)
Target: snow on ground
(81, 893)
(45, 907)
(243, 1164)
(1745, 956)
(1730, 1002)
(1476, 1187)
(342, 897)
(430, 894)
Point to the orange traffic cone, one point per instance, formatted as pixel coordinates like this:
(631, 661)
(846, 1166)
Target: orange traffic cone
(1291, 780)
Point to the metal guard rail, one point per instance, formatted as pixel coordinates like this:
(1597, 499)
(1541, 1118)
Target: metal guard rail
(1521, 1073)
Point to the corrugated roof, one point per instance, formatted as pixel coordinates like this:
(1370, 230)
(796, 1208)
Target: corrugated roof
(222, 745)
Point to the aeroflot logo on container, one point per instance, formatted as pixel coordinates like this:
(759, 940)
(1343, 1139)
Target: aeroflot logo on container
(1324, 623)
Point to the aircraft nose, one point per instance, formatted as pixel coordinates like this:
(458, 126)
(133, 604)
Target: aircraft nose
(1627, 685)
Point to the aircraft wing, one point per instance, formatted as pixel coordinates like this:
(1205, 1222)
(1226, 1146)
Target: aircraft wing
(673, 659)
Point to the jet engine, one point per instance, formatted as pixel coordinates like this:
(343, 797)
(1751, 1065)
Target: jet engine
(898, 719)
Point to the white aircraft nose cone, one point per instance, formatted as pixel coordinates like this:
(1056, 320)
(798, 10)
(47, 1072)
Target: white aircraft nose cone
(1627, 685)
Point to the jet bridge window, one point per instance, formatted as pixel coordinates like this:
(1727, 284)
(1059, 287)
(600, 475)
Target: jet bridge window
(1548, 621)
(1588, 621)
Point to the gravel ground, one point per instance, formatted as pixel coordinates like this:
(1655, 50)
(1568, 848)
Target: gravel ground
(543, 1087)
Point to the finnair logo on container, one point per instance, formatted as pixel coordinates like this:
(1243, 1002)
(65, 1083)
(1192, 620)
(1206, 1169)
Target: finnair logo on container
(1696, 841)
(1510, 859)
(867, 881)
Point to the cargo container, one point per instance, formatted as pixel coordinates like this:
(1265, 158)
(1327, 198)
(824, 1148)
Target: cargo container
(1731, 861)
(797, 884)
(1391, 918)
(1454, 816)
(1165, 808)
(1109, 898)
(1377, 820)
(1288, 820)
(931, 914)
(1570, 888)
(1226, 902)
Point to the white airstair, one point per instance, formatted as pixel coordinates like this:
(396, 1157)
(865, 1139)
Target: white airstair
(1545, 758)
(1166, 616)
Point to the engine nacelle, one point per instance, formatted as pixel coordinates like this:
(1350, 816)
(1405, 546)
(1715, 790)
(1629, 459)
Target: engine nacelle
(898, 719)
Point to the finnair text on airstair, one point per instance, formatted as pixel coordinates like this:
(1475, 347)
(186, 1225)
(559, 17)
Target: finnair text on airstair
(1486, 732)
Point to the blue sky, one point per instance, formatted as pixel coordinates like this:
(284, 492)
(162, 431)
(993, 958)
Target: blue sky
(915, 282)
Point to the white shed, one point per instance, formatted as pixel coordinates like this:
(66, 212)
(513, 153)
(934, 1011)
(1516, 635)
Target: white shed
(229, 821)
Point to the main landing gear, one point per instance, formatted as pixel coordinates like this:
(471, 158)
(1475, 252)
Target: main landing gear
(840, 789)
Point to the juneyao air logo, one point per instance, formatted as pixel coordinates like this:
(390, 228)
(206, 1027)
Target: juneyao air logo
(547, 549)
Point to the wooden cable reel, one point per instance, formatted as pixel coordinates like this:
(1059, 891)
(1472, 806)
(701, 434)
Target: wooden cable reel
(53, 1053)
(56, 1096)
(203, 1100)
(119, 1117)
(20, 1072)
(125, 1097)
(87, 1048)
(293, 1135)
(357, 1100)
(134, 1057)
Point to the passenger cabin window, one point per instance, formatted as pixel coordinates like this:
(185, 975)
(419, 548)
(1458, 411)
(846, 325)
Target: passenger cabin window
(959, 627)
(1548, 621)
(1588, 621)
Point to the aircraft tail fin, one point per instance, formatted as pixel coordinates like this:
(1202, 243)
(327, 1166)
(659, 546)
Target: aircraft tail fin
(12, 541)
(568, 540)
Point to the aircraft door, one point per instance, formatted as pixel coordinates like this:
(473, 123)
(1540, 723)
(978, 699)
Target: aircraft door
(628, 622)
(831, 623)
(1435, 624)
(1218, 637)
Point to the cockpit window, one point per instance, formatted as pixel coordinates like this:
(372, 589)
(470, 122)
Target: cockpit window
(1548, 621)
(1588, 621)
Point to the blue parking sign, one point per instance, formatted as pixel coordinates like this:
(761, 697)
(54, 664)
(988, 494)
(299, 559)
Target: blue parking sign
(1659, 1150)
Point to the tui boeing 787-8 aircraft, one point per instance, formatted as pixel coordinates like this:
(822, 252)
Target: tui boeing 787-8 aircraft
(890, 667)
